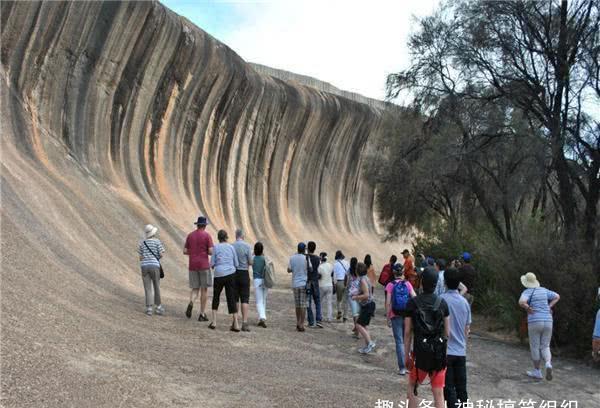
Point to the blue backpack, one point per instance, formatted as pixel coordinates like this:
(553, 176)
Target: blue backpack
(400, 296)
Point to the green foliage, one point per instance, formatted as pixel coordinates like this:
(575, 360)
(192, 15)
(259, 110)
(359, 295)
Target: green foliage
(561, 267)
(498, 153)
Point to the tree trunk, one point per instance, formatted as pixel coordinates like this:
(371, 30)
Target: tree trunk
(559, 162)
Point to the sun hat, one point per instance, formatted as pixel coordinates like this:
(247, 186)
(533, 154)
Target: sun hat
(201, 221)
(466, 256)
(530, 281)
(150, 231)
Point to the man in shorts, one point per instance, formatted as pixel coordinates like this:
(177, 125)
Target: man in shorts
(427, 304)
(298, 267)
(198, 247)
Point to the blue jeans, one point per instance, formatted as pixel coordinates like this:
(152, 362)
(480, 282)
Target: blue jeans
(398, 329)
(312, 294)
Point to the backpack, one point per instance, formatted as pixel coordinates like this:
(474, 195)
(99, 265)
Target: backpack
(269, 280)
(386, 275)
(400, 297)
(430, 343)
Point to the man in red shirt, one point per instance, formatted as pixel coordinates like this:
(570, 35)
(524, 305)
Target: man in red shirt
(198, 246)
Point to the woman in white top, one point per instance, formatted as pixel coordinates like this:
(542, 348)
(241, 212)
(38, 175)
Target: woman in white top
(326, 287)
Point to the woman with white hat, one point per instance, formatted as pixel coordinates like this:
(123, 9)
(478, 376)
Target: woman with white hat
(538, 303)
(150, 251)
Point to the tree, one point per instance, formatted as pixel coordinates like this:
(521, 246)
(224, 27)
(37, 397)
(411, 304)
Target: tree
(541, 58)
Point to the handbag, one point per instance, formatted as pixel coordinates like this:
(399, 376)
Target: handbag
(269, 273)
(162, 273)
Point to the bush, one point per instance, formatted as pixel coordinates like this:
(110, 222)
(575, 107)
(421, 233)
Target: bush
(559, 266)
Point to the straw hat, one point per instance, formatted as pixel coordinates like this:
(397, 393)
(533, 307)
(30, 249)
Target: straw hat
(530, 281)
(150, 231)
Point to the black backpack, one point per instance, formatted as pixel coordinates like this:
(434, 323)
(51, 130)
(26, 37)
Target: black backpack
(430, 342)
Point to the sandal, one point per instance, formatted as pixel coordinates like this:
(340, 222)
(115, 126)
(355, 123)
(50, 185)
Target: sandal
(212, 326)
(233, 329)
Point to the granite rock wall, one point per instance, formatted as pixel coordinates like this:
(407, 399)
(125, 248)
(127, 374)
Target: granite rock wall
(171, 123)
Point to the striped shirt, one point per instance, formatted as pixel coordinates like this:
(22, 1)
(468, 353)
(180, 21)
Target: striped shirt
(147, 258)
(538, 299)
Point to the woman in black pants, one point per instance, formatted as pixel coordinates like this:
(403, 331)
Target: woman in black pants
(224, 261)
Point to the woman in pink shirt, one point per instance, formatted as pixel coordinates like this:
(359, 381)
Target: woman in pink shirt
(400, 290)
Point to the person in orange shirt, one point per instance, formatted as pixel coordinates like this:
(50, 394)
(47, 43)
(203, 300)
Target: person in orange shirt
(370, 271)
(409, 269)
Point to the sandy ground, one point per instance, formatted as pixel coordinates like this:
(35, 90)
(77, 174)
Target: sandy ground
(97, 348)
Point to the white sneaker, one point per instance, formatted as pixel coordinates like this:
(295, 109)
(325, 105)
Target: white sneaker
(402, 372)
(370, 347)
(537, 374)
(160, 310)
(149, 311)
(362, 350)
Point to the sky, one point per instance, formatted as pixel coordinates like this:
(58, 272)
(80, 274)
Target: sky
(351, 44)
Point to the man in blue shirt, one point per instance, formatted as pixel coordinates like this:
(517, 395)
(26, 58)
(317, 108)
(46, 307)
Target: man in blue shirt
(455, 388)
(298, 267)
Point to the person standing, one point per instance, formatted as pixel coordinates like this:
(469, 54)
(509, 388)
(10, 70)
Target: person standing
(242, 275)
(198, 246)
(440, 266)
(409, 269)
(260, 290)
(312, 286)
(468, 275)
(455, 388)
(428, 320)
(150, 251)
(298, 267)
(224, 262)
(367, 309)
(387, 273)
(398, 293)
(538, 302)
(340, 272)
(326, 286)
(370, 271)
(353, 288)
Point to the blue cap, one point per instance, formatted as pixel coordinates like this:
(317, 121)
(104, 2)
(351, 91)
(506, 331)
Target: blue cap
(466, 256)
(201, 221)
(301, 247)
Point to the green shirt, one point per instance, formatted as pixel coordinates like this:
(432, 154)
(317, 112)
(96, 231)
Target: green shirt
(258, 267)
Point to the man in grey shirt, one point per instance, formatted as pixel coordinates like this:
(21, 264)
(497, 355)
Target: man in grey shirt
(298, 267)
(242, 276)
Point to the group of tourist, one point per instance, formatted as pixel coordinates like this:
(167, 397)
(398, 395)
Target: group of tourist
(221, 266)
(427, 301)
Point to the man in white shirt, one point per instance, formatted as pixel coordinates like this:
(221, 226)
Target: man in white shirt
(340, 274)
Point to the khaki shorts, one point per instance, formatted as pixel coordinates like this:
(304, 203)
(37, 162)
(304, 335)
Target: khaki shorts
(300, 297)
(201, 279)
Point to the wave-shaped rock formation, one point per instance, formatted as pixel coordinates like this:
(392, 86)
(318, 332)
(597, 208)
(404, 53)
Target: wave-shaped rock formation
(155, 109)
(118, 114)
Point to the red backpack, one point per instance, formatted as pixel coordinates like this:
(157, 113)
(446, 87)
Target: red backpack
(386, 275)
